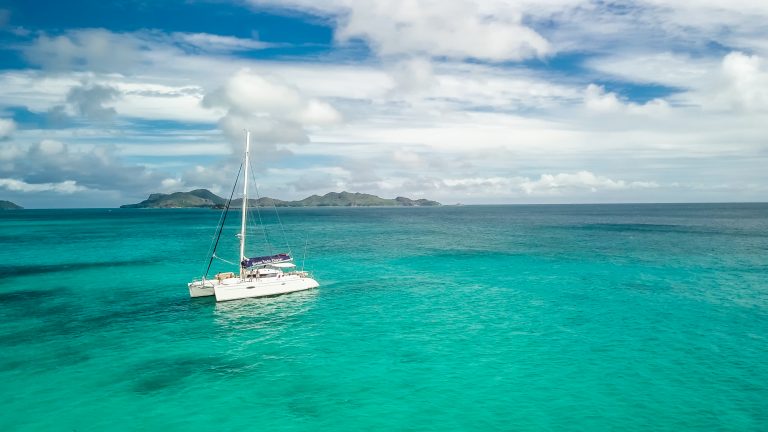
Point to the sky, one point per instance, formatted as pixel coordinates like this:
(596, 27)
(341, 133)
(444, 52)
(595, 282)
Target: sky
(477, 102)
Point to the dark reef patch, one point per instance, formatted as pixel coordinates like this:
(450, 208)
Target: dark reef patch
(165, 373)
(37, 269)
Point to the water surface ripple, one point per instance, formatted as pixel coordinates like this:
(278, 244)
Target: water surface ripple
(595, 317)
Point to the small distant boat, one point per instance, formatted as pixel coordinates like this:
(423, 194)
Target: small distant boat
(259, 276)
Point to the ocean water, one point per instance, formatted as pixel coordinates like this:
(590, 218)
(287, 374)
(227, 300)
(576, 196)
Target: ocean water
(520, 318)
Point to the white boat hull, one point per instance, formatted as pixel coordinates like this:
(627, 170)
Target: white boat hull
(201, 288)
(235, 288)
(262, 287)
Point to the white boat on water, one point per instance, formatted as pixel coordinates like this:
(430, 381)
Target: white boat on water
(257, 276)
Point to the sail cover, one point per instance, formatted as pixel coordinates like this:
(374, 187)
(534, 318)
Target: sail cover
(269, 259)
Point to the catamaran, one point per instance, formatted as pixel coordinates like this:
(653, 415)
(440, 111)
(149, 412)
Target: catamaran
(259, 276)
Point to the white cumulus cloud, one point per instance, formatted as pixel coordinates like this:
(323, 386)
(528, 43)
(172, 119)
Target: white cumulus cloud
(87, 49)
(89, 101)
(273, 111)
(7, 127)
(458, 29)
(216, 43)
(544, 185)
(50, 162)
(557, 183)
(64, 187)
(741, 84)
(598, 100)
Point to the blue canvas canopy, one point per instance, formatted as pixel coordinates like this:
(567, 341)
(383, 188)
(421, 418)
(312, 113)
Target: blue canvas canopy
(269, 259)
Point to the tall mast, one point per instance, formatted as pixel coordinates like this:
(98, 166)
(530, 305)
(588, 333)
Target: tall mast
(245, 202)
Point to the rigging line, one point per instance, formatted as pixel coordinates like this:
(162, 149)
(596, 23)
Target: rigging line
(211, 247)
(263, 226)
(251, 221)
(224, 219)
(222, 259)
(282, 228)
(258, 212)
(209, 252)
(279, 222)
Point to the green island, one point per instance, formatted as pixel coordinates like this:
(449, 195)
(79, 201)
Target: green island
(7, 205)
(203, 198)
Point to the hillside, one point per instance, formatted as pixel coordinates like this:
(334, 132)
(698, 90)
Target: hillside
(197, 198)
(7, 205)
(205, 199)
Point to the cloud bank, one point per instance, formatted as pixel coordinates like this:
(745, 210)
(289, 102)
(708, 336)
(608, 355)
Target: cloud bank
(493, 101)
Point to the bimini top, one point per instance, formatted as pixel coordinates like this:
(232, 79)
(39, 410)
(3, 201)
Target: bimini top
(269, 259)
(283, 265)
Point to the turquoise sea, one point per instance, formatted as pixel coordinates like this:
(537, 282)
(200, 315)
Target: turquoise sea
(478, 318)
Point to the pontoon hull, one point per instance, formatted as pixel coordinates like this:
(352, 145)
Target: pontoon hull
(263, 287)
(200, 289)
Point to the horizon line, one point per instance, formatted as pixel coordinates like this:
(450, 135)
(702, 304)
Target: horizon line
(410, 207)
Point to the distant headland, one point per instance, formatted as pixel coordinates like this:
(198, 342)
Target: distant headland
(203, 198)
(7, 205)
